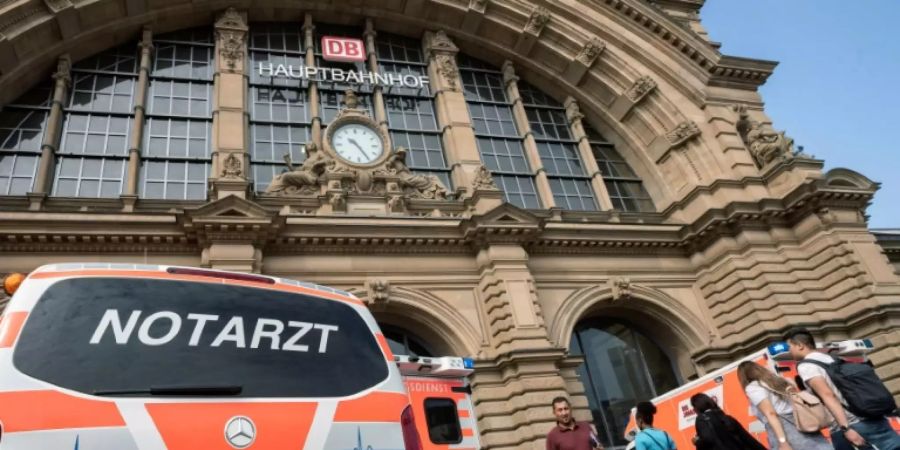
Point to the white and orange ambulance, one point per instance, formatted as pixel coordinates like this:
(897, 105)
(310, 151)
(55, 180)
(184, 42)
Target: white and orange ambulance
(121, 356)
(676, 416)
(441, 401)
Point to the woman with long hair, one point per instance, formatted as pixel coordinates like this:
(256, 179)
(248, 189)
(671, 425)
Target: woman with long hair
(768, 394)
(648, 437)
(717, 430)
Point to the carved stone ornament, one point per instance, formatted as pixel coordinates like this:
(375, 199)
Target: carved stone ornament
(413, 185)
(509, 72)
(350, 101)
(440, 42)
(591, 50)
(338, 201)
(682, 133)
(767, 145)
(538, 19)
(641, 87)
(231, 167)
(232, 47)
(621, 288)
(231, 31)
(378, 291)
(231, 18)
(304, 180)
(446, 67)
(573, 112)
(478, 5)
(484, 180)
(64, 70)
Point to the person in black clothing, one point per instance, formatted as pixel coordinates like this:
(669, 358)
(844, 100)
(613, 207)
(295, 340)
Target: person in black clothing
(717, 430)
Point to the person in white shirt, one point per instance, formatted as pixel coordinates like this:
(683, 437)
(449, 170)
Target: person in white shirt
(848, 431)
(767, 393)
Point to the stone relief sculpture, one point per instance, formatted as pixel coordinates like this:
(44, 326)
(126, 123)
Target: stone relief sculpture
(764, 143)
(767, 145)
(303, 180)
(421, 186)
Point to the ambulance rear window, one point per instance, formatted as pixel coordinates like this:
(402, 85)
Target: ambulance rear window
(115, 336)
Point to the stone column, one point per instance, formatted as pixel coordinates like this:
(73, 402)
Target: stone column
(129, 196)
(522, 371)
(229, 128)
(458, 136)
(63, 79)
(378, 91)
(313, 106)
(574, 116)
(530, 145)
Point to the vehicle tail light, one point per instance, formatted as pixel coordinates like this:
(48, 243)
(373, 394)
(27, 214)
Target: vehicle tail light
(217, 274)
(410, 435)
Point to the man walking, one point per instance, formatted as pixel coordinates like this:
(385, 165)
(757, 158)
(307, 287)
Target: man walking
(849, 430)
(569, 434)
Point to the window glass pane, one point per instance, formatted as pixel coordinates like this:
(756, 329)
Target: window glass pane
(442, 419)
(22, 130)
(621, 367)
(68, 340)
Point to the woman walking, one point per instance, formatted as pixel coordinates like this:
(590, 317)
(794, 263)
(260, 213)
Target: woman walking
(649, 438)
(768, 394)
(717, 430)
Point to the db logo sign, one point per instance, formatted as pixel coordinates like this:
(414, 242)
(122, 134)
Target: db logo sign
(343, 49)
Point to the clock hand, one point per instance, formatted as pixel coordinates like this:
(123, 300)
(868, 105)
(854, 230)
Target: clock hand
(358, 147)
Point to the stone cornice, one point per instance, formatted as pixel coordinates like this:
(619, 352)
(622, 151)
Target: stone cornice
(741, 73)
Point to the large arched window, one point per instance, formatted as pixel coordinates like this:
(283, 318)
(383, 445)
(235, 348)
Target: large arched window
(621, 367)
(534, 153)
(402, 342)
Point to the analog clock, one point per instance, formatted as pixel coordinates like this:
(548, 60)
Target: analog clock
(357, 143)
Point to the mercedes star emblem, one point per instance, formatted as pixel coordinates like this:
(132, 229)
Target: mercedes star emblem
(240, 432)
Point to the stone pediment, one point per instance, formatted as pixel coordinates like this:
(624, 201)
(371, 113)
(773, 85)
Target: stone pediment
(230, 219)
(505, 223)
(231, 207)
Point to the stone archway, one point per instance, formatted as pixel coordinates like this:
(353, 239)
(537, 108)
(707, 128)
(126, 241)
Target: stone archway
(425, 315)
(665, 319)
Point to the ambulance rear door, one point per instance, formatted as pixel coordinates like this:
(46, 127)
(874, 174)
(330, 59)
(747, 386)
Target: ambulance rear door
(441, 401)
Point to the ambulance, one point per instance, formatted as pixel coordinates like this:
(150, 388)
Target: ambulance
(440, 396)
(676, 416)
(123, 356)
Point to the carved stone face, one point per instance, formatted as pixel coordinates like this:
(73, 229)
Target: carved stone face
(357, 143)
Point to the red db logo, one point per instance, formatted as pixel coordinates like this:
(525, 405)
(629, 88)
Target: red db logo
(343, 49)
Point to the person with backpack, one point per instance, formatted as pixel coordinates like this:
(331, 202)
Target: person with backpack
(717, 430)
(853, 393)
(649, 438)
(792, 421)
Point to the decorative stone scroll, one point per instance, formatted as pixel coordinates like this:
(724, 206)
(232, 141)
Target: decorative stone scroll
(621, 288)
(682, 133)
(443, 53)
(231, 31)
(538, 19)
(591, 50)
(641, 87)
(484, 180)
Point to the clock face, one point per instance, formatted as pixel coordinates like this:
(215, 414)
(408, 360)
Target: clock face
(357, 143)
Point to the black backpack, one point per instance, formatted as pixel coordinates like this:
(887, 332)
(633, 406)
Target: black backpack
(865, 394)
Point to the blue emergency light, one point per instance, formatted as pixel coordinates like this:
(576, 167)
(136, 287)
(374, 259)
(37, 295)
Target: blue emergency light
(777, 348)
(468, 363)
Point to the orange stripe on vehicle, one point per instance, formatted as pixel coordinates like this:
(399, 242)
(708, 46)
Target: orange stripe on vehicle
(201, 279)
(191, 426)
(463, 413)
(52, 410)
(10, 326)
(468, 432)
(375, 407)
(385, 347)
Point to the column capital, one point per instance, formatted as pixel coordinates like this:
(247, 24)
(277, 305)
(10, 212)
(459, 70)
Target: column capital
(63, 70)
(231, 34)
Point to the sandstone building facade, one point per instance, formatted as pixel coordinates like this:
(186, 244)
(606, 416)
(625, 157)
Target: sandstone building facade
(590, 199)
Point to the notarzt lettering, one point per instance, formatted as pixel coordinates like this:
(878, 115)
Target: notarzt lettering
(266, 333)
